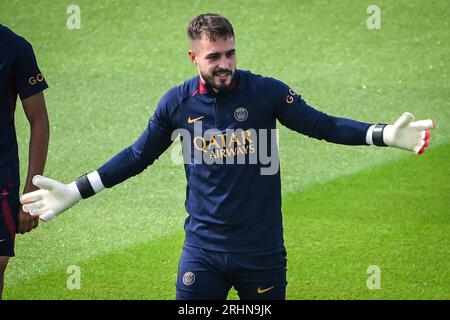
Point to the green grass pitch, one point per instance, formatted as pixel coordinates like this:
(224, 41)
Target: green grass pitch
(344, 208)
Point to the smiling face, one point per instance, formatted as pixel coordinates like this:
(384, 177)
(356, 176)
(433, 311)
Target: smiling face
(215, 60)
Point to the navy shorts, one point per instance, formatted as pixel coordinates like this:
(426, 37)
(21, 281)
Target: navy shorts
(9, 211)
(209, 275)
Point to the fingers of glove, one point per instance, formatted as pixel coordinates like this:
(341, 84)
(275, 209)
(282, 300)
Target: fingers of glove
(33, 206)
(38, 211)
(404, 120)
(426, 138)
(419, 149)
(45, 183)
(426, 134)
(47, 216)
(32, 196)
(423, 124)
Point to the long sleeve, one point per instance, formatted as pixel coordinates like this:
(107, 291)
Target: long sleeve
(293, 112)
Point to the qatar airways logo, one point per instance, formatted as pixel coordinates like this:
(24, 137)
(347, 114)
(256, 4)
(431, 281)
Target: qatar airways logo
(229, 147)
(230, 144)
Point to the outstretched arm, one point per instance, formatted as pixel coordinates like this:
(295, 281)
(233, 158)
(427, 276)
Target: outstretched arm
(293, 112)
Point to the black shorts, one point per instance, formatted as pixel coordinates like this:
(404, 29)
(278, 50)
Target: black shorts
(9, 220)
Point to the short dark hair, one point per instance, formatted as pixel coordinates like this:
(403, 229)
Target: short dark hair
(211, 25)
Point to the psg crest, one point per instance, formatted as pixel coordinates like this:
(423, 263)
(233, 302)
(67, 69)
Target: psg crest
(240, 114)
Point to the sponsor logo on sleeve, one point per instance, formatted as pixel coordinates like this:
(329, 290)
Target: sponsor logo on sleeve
(33, 80)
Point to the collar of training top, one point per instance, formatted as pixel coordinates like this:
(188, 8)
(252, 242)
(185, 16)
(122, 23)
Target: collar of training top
(204, 88)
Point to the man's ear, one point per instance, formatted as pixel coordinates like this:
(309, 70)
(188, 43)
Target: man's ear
(192, 56)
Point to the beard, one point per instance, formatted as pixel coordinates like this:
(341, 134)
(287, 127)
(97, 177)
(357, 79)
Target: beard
(218, 86)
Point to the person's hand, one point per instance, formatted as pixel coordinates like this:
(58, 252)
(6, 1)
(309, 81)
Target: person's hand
(408, 134)
(52, 199)
(27, 222)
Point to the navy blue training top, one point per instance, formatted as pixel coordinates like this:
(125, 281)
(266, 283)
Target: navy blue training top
(232, 207)
(19, 75)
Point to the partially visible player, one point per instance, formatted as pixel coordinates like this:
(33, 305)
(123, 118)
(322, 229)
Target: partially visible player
(19, 76)
(234, 232)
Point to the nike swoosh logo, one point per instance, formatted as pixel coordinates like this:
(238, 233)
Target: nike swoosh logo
(264, 290)
(2, 240)
(190, 120)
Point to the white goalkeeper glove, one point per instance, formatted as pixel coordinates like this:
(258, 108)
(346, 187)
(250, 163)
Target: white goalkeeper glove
(55, 197)
(405, 133)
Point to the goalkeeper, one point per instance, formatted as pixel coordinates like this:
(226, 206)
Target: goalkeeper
(234, 233)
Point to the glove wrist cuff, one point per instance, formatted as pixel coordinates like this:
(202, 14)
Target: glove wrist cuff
(89, 184)
(84, 187)
(377, 135)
